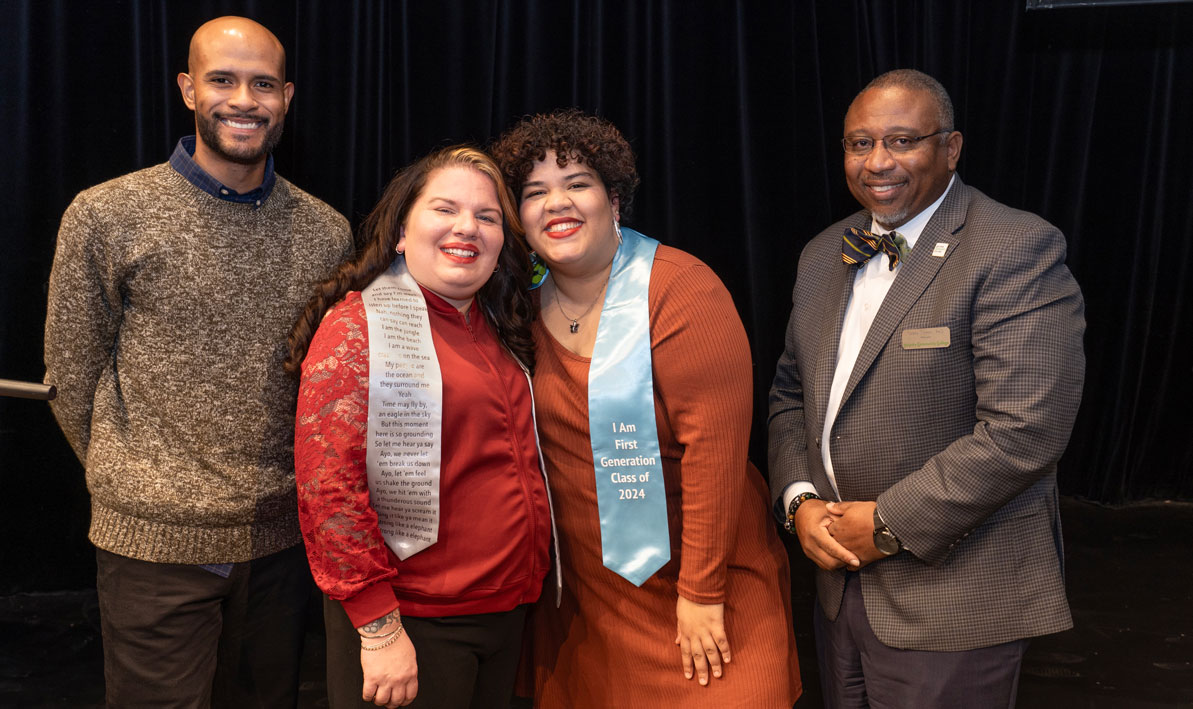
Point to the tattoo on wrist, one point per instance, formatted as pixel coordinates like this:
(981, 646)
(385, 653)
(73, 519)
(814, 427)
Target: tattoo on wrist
(376, 625)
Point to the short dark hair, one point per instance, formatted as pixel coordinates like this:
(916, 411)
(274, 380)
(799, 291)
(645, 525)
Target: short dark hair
(913, 80)
(575, 136)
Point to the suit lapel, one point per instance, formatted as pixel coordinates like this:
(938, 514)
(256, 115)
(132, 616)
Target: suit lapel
(916, 273)
(836, 298)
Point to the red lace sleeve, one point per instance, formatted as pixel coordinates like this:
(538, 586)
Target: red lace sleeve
(348, 556)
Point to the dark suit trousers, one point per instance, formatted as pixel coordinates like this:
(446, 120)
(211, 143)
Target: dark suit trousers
(177, 635)
(857, 670)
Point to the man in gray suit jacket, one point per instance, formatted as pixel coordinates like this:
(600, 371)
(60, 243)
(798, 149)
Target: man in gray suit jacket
(928, 386)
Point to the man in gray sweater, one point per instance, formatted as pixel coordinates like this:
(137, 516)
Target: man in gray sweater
(172, 293)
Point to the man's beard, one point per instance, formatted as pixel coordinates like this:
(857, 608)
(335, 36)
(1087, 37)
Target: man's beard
(890, 216)
(234, 151)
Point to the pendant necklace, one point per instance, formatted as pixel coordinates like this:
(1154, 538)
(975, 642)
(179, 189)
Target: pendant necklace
(574, 327)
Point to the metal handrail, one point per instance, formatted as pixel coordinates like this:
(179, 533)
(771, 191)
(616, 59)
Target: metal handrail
(27, 390)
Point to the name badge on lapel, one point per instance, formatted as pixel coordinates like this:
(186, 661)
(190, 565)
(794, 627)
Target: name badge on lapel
(926, 338)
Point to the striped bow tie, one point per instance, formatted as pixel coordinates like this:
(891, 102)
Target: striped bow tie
(858, 245)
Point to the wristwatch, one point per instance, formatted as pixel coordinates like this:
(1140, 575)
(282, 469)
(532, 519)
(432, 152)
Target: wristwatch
(884, 539)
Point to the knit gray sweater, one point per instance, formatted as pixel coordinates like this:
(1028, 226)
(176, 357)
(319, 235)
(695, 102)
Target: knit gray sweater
(165, 334)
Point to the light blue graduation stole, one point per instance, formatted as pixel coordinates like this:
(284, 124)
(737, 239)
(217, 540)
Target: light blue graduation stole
(631, 497)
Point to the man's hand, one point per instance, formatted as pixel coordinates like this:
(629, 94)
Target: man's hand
(812, 522)
(701, 637)
(853, 526)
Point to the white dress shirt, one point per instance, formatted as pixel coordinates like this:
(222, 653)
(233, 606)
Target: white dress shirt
(870, 286)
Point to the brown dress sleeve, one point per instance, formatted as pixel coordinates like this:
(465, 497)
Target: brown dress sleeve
(703, 378)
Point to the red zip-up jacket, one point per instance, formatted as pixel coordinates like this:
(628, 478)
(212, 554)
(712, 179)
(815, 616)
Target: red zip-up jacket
(494, 523)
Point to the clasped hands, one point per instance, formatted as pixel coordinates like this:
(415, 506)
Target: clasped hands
(832, 534)
(837, 535)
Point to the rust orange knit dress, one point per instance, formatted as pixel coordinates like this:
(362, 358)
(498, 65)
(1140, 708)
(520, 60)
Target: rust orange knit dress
(611, 644)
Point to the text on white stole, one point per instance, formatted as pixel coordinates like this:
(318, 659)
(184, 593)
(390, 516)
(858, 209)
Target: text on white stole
(402, 436)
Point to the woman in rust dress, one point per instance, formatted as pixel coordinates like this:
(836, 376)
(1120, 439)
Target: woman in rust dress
(711, 627)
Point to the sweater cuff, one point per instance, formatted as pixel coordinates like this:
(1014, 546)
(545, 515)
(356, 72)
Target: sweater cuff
(370, 604)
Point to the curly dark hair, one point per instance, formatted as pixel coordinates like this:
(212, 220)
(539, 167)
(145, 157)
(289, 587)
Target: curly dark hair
(504, 298)
(574, 136)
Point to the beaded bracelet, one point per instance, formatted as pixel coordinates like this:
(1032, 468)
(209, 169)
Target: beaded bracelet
(800, 499)
(393, 638)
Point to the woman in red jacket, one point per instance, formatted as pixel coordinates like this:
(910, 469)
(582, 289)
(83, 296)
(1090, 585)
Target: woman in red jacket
(421, 497)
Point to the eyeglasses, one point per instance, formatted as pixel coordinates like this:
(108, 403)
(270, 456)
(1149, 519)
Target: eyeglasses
(861, 145)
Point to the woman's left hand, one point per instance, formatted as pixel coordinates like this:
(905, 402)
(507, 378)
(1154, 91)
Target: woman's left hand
(701, 638)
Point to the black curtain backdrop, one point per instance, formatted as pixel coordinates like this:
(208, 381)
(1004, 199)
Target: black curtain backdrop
(734, 108)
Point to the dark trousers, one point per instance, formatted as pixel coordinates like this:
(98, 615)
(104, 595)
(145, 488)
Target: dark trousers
(857, 670)
(464, 661)
(176, 635)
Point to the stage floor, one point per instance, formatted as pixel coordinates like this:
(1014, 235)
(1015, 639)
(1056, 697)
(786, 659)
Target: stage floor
(1130, 581)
